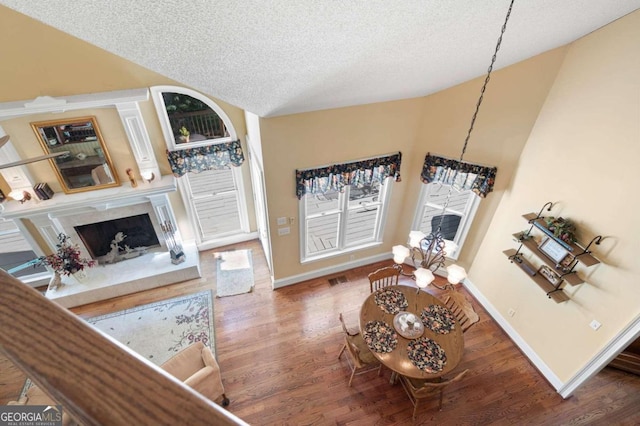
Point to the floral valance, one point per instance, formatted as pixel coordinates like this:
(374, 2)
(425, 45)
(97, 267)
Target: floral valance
(203, 158)
(336, 176)
(461, 175)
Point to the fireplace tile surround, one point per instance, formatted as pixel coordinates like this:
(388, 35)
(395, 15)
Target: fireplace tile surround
(64, 211)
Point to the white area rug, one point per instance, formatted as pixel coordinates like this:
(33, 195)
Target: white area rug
(234, 272)
(159, 330)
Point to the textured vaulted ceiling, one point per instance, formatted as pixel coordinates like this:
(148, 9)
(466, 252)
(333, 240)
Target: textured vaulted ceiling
(275, 57)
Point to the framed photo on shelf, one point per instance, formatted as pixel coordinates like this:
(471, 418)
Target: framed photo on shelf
(553, 250)
(551, 276)
(567, 261)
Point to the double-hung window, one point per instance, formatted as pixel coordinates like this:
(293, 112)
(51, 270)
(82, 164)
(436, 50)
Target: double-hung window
(457, 217)
(335, 222)
(343, 207)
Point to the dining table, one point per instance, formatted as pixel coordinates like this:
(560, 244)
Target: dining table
(411, 332)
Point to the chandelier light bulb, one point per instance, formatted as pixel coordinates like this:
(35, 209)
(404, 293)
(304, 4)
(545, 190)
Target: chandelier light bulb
(424, 277)
(450, 247)
(415, 237)
(455, 274)
(400, 253)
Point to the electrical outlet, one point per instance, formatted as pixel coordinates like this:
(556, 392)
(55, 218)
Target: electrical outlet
(511, 312)
(595, 324)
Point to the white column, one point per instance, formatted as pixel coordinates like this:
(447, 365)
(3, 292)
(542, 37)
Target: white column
(49, 228)
(133, 124)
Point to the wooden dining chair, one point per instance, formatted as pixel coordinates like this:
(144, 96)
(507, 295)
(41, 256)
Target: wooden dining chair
(383, 277)
(463, 310)
(359, 356)
(418, 390)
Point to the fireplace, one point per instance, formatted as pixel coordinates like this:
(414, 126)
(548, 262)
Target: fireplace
(138, 231)
(139, 212)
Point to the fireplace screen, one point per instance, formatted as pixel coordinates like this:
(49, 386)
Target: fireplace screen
(138, 231)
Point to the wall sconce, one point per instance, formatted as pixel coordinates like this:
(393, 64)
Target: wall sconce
(147, 175)
(20, 195)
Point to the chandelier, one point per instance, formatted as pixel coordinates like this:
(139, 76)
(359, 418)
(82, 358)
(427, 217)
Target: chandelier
(429, 252)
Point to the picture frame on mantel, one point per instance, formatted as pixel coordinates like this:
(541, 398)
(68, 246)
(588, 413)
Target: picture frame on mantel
(86, 165)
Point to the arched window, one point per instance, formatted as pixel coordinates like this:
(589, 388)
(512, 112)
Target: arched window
(189, 119)
(213, 194)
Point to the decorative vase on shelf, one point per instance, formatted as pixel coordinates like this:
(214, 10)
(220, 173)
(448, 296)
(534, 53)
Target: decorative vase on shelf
(55, 283)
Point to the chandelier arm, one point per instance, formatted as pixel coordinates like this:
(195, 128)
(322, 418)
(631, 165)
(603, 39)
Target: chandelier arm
(401, 270)
(447, 286)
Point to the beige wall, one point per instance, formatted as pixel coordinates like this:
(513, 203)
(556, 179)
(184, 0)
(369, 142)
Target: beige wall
(42, 61)
(313, 139)
(509, 109)
(436, 124)
(582, 154)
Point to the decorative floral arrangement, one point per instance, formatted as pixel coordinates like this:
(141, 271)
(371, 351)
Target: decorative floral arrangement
(66, 260)
(561, 228)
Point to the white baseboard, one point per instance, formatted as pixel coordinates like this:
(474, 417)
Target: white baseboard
(516, 338)
(295, 279)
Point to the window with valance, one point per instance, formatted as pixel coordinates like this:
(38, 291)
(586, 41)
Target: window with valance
(463, 176)
(337, 176)
(211, 157)
(343, 207)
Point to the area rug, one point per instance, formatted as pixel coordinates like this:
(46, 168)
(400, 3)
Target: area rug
(159, 330)
(234, 272)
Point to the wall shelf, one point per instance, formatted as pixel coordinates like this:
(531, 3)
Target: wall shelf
(576, 254)
(556, 294)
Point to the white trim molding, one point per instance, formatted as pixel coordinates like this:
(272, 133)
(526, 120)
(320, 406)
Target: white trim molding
(515, 337)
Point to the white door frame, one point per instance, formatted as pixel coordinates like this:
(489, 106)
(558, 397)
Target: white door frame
(260, 203)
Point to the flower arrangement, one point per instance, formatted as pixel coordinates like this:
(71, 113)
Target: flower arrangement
(561, 228)
(66, 260)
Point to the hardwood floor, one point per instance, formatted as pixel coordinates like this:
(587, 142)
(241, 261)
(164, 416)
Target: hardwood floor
(278, 354)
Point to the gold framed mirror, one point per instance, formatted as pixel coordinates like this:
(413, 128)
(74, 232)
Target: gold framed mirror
(87, 166)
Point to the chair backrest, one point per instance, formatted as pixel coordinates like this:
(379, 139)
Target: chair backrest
(461, 308)
(383, 277)
(186, 362)
(345, 329)
(351, 341)
(428, 388)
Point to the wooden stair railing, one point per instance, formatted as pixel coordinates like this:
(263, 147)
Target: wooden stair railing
(97, 380)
